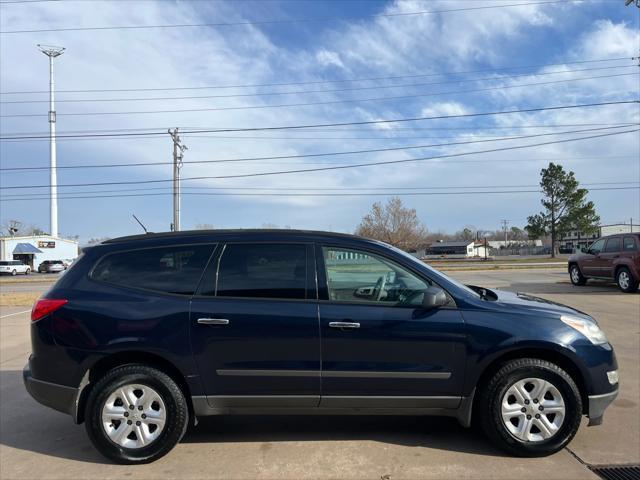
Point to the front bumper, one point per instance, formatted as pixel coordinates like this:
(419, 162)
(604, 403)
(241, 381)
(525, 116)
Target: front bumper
(59, 397)
(597, 406)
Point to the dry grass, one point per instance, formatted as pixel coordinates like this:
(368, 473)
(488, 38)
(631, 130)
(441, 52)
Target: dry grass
(18, 299)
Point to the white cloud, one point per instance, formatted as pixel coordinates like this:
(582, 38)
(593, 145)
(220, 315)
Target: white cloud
(444, 109)
(329, 59)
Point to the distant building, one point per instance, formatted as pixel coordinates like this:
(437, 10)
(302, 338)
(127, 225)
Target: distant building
(463, 249)
(34, 249)
(497, 244)
(575, 240)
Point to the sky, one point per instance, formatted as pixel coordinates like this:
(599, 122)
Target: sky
(275, 63)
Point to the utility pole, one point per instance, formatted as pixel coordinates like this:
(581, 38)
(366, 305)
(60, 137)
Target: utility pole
(52, 52)
(505, 224)
(178, 153)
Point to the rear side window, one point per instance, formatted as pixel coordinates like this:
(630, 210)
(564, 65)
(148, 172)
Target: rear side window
(174, 270)
(613, 245)
(263, 271)
(629, 244)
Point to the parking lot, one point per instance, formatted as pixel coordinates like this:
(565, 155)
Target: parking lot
(36, 442)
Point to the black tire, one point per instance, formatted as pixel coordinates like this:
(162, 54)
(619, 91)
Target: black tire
(576, 277)
(177, 413)
(490, 404)
(27, 271)
(14, 273)
(625, 280)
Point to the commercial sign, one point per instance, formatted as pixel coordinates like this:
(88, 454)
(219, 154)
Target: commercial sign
(43, 244)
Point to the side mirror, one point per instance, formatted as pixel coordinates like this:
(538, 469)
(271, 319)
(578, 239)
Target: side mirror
(434, 297)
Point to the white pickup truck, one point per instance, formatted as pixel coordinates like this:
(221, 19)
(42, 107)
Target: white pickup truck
(14, 267)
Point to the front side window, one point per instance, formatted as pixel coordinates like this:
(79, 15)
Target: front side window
(596, 247)
(357, 276)
(629, 244)
(263, 271)
(613, 245)
(174, 270)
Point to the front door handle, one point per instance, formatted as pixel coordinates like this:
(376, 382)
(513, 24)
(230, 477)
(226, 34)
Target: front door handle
(213, 321)
(344, 324)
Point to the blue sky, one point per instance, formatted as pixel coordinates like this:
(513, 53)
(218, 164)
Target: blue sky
(350, 41)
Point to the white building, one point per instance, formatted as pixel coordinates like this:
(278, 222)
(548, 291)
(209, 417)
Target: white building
(35, 249)
(463, 249)
(576, 240)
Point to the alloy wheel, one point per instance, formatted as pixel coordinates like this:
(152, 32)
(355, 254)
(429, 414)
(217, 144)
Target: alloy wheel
(134, 416)
(575, 275)
(624, 280)
(533, 410)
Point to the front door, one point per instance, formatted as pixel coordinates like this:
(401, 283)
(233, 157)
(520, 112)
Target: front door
(591, 264)
(255, 328)
(612, 250)
(380, 348)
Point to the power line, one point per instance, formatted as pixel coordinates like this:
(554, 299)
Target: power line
(304, 92)
(197, 134)
(284, 21)
(341, 124)
(304, 189)
(329, 102)
(335, 167)
(480, 192)
(316, 82)
(312, 155)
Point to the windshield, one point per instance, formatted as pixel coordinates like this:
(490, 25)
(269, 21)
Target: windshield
(436, 273)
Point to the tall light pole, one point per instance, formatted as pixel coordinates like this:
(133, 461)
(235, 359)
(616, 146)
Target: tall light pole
(52, 52)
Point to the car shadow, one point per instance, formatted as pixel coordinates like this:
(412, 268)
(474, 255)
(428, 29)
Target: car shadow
(593, 287)
(27, 425)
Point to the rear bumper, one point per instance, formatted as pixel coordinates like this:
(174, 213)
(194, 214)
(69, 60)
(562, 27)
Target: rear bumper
(598, 404)
(59, 397)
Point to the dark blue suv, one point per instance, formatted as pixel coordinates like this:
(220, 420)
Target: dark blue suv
(144, 334)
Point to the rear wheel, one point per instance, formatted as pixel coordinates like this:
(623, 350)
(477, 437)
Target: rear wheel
(576, 276)
(136, 414)
(625, 280)
(13, 272)
(530, 407)
(27, 271)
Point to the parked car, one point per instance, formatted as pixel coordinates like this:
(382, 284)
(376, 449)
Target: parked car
(14, 267)
(616, 257)
(144, 334)
(51, 266)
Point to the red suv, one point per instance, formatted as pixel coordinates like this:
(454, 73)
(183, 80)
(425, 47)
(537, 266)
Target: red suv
(613, 257)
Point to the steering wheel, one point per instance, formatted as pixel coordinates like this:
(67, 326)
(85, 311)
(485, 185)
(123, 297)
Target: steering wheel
(379, 288)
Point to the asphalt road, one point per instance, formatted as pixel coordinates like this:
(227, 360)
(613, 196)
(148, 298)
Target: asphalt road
(36, 442)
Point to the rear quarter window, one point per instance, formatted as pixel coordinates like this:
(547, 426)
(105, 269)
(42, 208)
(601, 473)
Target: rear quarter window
(629, 244)
(174, 270)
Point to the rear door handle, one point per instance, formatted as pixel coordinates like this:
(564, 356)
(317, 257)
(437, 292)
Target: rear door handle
(344, 324)
(213, 321)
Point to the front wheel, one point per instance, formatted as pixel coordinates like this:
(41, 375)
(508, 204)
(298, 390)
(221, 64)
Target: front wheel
(136, 414)
(530, 408)
(576, 276)
(14, 273)
(625, 280)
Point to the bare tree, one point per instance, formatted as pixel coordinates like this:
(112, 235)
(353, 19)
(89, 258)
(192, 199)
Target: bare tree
(16, 227)
(394, 224)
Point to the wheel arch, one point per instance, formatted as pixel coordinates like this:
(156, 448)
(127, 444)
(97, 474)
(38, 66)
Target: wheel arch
(109, 362)
(561, 359)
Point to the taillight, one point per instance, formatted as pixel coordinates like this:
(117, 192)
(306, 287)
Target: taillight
(45, 306)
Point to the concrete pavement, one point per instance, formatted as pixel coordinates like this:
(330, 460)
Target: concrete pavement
(36, 442)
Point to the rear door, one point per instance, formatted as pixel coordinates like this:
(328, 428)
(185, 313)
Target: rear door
(255, 329)
(380, 348)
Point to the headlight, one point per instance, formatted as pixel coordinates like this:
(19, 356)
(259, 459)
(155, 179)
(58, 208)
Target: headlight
(586, 328)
